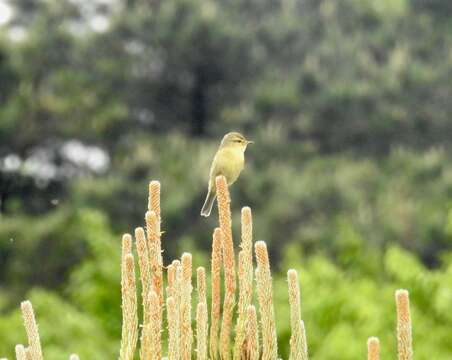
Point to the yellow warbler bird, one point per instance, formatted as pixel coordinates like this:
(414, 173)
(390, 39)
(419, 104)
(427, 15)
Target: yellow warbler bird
(228, 161)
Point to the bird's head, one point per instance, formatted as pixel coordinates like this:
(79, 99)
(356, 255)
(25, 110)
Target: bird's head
(236, 140)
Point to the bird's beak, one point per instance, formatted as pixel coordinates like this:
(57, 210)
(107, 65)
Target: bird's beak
(249, 142)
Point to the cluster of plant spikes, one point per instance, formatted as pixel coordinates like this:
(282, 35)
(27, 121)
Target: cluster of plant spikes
(252, 340)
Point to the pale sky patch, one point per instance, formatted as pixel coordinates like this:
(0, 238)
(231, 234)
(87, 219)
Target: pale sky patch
(99, 23)
(5, 13)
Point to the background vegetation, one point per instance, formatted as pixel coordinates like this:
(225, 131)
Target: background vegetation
(350, 179)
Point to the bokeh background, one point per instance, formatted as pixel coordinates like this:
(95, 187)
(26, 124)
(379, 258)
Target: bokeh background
(350, 178)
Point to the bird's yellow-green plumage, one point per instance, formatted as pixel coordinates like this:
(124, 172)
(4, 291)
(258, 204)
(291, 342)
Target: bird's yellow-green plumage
(229, 162)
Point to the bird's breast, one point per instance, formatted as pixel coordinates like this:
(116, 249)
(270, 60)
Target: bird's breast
(230, 163)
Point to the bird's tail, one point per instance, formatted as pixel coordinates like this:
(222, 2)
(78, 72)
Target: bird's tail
(208, 204)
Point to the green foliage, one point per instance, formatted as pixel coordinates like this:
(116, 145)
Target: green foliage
(341, 310)
(27, 241)
(95, 286)
(64, 329)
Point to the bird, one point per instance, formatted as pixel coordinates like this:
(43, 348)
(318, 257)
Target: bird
(229, 162)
